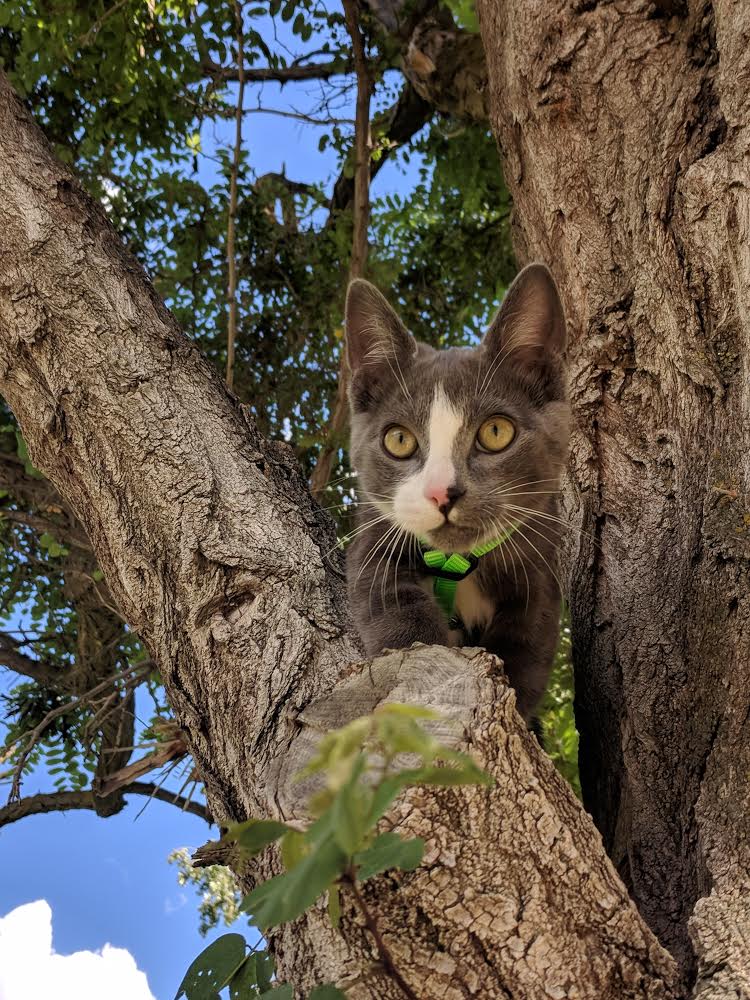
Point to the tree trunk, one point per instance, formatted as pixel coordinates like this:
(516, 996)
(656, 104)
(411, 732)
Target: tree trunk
(217, 556)
(625, 134)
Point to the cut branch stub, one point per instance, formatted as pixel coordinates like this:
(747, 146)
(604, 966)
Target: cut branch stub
(516, 896)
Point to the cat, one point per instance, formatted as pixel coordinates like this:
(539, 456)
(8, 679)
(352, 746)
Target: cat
(456, 449)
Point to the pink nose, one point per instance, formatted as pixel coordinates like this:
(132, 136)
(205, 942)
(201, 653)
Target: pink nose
(438, 494)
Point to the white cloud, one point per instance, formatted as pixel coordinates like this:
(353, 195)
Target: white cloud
(174, 903)
(31, 970)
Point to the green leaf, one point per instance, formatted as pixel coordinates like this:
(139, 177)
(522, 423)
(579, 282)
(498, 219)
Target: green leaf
(285, 897)
(327, 992)
(255, 834)
(349, 811)
(244, 982)
(264, 969)
(294, 847)
(389, 851)
(283, 992)
(214, 967)
(406, 711)
(385, 794)
(334, 905)
(400, 734)
(468, 774)
(337, 749)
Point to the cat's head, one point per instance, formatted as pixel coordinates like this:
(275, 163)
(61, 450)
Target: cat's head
(453, 446)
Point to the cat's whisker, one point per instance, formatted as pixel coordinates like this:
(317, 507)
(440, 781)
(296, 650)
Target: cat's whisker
(546, 516)
(382, 543)
(528, 541)
(351, 535)
(396, 565)
(515, 485)
(373, 550)
(391, 535)
(510, 540)
(348, 504)
(335, 482)
(407, 535)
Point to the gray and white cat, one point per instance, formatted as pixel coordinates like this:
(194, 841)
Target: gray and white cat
(455, 450)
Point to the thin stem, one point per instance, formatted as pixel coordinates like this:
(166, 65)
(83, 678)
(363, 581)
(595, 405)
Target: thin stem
(382, 948)
(362, 152)
(232, 220)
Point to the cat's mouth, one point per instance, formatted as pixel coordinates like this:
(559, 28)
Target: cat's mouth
(450, 537)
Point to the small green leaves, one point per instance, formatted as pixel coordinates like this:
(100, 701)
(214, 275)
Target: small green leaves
(389, 851)
(213, 968)
(360, 765)
(286, 897)
(255, 834)
(52, 546)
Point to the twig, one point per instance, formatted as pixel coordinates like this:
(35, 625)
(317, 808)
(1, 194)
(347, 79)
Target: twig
(263, 74)
(299, 116)
(41, 524)
(232, 220)
(382, 948)
(362, 149)
(15, 788)
(45, 802)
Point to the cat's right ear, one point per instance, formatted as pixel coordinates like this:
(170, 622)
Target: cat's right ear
(529, 329)
(379, 348)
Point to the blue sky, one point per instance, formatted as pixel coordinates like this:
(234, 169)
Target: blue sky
(107, 880)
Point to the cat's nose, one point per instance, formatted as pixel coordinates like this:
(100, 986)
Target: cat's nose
(444, 497)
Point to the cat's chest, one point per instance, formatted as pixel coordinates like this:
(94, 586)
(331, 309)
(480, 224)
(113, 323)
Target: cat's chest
(472, 604)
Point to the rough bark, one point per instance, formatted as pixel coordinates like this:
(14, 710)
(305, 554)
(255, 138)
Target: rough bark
(217, 556)
(625, 137)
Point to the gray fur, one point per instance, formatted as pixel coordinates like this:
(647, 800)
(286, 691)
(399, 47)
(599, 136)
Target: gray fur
(518, 372)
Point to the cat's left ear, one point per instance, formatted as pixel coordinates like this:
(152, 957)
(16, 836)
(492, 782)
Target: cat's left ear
(378, 346)
(529, 328)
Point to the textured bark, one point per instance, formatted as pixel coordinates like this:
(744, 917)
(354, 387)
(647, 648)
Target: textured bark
(625, 136)
(217, 556)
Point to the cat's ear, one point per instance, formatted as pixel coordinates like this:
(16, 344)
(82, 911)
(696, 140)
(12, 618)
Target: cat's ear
(378, 345)
(529, 329)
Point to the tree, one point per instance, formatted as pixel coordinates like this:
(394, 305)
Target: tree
(624, 134)
(131, 94)
(224, 569)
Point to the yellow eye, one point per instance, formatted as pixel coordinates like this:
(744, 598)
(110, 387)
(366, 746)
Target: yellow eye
(495, 434)
(399, 442)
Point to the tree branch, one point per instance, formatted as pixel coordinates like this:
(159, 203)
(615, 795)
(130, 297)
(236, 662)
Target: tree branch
(362, 156)
(271, 74)
(232, 211)
(46, 802)
(391, 130)
(43, 673)
(167, 752)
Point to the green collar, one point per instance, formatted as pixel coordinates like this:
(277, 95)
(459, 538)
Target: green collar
(449, 569)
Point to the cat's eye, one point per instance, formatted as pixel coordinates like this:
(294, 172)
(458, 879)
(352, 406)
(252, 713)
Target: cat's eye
(496, 434)
(399, 442)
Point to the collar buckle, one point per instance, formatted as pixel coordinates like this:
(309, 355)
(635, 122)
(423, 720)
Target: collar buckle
(445, 574)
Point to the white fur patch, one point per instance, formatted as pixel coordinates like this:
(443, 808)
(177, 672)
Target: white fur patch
(473, 606)
(412, 508)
